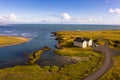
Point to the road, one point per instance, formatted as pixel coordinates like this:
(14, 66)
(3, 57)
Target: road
(106, 64)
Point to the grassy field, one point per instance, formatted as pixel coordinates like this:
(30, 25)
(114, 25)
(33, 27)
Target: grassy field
(31, 72)
(112, 36)
(11, 40)
(75, 51)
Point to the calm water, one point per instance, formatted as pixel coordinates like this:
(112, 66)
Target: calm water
(40, 37)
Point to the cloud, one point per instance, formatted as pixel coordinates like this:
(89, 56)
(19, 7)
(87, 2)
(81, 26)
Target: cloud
(9, 18)
(12, 17)
(116, 17)
(116, 11)
(63, 18)
(66, 16)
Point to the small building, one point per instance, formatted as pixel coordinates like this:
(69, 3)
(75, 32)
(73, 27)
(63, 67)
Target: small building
(89, 41)
(82, 42)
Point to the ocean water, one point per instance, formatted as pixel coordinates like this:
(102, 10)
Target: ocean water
(40, 35)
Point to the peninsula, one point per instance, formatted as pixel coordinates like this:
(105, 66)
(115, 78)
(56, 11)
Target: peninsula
(11, 40)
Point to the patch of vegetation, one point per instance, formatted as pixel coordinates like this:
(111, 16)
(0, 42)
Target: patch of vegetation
(114, 72)
(75, 51)
(54, 69)
(82, 69)
(11, 40)
(31, 72)
(36, 55)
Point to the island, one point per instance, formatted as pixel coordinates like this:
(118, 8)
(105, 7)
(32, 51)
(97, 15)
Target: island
(92, 58)
(11, 40)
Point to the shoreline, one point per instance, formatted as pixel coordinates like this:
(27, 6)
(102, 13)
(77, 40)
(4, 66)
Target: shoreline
(21, 40)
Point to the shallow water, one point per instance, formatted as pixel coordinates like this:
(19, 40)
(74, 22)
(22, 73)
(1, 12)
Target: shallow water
(40, 37)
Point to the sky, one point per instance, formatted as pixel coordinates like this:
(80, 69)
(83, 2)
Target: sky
(60, 11)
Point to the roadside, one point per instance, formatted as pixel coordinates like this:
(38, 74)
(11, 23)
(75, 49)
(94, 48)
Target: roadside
(106, 64)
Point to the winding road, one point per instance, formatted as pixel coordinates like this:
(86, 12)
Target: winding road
(106, 64)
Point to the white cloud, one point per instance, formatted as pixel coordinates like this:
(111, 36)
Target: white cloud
(9, 18)
(66, 16)
(12, 17)
(63, 18)
(116, 10)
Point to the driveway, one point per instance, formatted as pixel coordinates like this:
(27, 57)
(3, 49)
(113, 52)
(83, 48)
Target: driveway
(106, 64)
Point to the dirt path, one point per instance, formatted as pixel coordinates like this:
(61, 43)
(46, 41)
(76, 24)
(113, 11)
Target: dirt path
(106, 65)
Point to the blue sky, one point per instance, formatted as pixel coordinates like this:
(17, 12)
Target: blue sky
(60, 11)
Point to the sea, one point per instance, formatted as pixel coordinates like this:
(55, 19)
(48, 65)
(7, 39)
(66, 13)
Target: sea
(40, 36)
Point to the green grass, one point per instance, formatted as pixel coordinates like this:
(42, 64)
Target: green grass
(32, 72)
(82, 69)
(36, 55)
(76, 52)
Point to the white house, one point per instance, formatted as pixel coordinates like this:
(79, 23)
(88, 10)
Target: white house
(89, 41)
(82, 42)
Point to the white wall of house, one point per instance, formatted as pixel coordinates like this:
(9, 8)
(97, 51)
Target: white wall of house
(84, 44)
(90, 42)
(78, 44)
